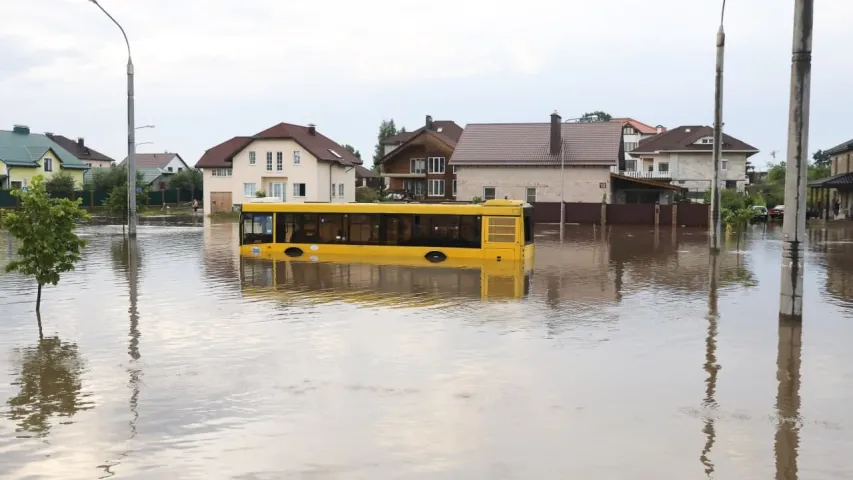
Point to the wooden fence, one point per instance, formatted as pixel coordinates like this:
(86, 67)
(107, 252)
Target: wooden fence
(683, 214)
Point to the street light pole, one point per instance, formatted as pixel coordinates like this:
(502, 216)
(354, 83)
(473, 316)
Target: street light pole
(796, 170)
(718, 136)
(131, 135)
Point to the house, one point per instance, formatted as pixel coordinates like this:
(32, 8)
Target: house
(89, 156)
(415, 163)
(156, 168)
(633, 131)
(23, 155)
(684, 157)
(522, 161)
(839, 184)
(294, 163)
(366, 178)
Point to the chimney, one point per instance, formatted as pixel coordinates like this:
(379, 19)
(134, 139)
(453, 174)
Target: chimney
(312, 129)
(428, 123)
(660, 128)
(80, 142)
(556, 133)
(21, 129)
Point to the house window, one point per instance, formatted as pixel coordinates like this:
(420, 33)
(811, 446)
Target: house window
(341, 190)
(454, 169)
(531, 195)
(180, 169)
(89, 165)
(279, 161)
(706, 140)
(250, 189)
(334, 189)
(296, 157)
(417, 165)
(628, 131)
(630, 165)
(489, 193)
(732, 184)
(454, 188)
(663, 167)
(630, 146)
(169, 168)
(251, 158)
(269, 161)
(435, 188)
(298, 189)
(724, 165)
(48, 164)
(221, 172)
(435, 164)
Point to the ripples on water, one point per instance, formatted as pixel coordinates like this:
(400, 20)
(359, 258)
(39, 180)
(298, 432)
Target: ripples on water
(172, 358)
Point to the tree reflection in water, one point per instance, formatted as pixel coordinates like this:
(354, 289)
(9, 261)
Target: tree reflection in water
(48, 376)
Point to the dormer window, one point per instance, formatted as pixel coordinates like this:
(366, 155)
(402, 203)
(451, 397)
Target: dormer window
(628, 131)
(705, 141)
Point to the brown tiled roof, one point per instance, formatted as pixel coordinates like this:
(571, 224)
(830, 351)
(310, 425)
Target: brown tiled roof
(841, 148)
(361, 172)
(450, 142)
(596, 143)
(215, 157)
(682, 139)
(158, 160)
(80, 151)
(641, 127)
(318, 145)
(447, 128)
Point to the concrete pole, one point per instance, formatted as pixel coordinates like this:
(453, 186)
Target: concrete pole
(796, 176)
(714, 226)
(562, 197)
(131, 135)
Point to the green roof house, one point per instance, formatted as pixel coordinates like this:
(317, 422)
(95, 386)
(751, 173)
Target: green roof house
(23, 155)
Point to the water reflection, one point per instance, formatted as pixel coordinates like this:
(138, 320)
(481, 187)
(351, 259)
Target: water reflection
(788, 399)
(709, 403)
(48, 377)
(835, 243)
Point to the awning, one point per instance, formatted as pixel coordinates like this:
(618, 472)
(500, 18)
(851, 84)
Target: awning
(647, 182)
(842, 180)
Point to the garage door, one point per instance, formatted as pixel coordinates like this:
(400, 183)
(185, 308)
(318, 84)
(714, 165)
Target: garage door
(220, 202)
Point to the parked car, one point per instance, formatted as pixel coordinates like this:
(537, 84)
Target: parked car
(759, 213)
(777, 212)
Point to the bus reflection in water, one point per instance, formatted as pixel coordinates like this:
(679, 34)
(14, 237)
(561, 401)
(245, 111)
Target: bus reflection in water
(398, 283)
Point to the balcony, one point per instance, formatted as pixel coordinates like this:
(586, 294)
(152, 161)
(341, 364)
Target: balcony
(645, 174)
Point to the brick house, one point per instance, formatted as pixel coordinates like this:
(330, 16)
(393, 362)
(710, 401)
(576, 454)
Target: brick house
(416, 163)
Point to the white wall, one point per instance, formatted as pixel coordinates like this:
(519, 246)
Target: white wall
(582, 184)
(217, 184)
(696, 170)
(175, 163)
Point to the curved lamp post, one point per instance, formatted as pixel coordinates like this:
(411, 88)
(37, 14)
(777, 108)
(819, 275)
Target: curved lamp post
(131, 136)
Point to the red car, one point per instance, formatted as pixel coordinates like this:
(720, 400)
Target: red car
(777, 212)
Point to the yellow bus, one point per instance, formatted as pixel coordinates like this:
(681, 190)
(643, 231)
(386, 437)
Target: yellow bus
(497, 230)
(397, 283)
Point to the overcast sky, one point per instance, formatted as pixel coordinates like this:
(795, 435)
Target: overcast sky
(207, 70)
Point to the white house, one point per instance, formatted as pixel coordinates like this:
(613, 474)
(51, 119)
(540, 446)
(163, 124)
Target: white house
(634, 131)
(684, 156)
(156, 168)
(522, 161)
(291, 162)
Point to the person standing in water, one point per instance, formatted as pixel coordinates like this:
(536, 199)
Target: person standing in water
(195, 206)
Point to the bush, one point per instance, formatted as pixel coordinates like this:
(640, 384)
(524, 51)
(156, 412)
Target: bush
(189, 179)
(60, 185)
(260, 194)
(476, 200)
(366, 195)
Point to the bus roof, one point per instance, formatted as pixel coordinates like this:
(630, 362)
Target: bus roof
(490, 207)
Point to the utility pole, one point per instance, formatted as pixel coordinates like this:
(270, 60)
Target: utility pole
(796, 170)
(714, 229)
(131, 135)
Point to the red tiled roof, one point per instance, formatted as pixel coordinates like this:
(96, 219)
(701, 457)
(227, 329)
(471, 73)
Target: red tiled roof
(638, 125)
(317, 144)
(80, 151)
(596, 143)
(683, 139)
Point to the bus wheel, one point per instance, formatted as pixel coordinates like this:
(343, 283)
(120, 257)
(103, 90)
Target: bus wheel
(293, 252)
(435, 257)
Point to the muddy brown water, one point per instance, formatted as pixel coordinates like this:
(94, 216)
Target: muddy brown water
(171, 358)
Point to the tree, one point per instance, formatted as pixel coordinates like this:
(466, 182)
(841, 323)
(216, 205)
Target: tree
(596, 116)
(107, 178)
(46, 228)
(60, 185)
(116, 202)
(353, 151)
(386, 129)
(190, 179)
(822, 159)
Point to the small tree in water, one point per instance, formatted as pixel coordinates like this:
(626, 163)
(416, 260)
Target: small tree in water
(45, 227)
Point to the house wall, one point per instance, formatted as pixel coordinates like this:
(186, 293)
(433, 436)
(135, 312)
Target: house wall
(175, 163)
(218, 184)
(25, 175)
(841, 163)
(428, 147)
(695, 171)
(582, 184)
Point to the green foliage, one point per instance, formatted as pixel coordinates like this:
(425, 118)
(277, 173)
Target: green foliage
(733, 200)
(366, 195)
(821, 159)
(596, 116)
(49, 381)
(116, 202)
(107, 178)
(386, 129)
(353, 151)
(189, 179)
(477, 200)
(60, 185)
(46, 228)
(260, 194)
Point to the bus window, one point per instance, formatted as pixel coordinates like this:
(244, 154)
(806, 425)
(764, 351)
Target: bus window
(332, 229)
(364, 228)
(257, 228)
(528, 226)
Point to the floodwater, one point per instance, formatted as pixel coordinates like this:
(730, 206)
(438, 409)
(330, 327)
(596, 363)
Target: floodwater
(617, 358)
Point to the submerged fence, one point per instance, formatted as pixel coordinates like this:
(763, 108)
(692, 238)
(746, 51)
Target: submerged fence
(681, 214)
(96, 198)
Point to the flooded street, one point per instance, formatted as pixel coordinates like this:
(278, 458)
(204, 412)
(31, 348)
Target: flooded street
(611, 360)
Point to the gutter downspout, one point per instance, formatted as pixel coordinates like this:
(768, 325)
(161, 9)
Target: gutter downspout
(331, 185)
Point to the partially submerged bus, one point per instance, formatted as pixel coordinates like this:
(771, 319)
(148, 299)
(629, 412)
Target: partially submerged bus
(500, 230)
